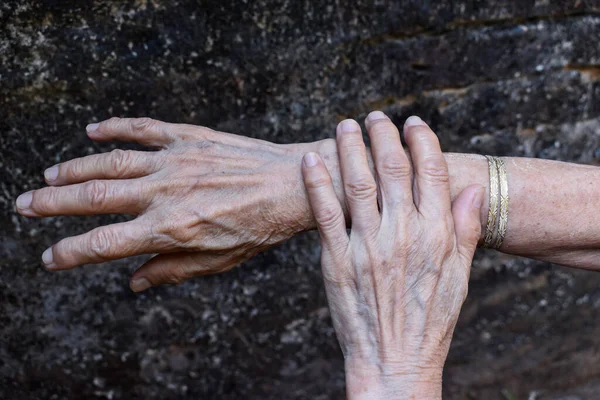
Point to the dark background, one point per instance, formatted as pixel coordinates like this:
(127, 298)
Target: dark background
(504, 77)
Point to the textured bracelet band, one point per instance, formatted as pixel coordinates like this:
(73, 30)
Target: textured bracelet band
(503, 216)
(490, 230)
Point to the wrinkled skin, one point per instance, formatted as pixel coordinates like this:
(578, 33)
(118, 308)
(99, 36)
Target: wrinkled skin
(396, 284)
(208, 200)
(192, 199)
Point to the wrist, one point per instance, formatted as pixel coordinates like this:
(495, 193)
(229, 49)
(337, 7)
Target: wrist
(465, 170)
(367, 382)
(291, 208)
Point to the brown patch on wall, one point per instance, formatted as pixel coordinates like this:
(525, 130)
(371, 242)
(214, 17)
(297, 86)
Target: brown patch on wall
(588, 72)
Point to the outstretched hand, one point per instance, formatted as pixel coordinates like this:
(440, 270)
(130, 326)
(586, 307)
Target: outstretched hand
(396, 284)
(194, 199)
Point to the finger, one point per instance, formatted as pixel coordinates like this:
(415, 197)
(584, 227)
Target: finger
(324, 203)
(145, 131)
(102, 244)
(432, 189)
(93, 197)
(175, 268)
(466, 212)
(359, 185)
(118, 164)
(391, 163)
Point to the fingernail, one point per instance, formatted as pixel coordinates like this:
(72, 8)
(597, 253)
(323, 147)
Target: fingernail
(24, 200)
(48, 258)
(349, 125)
(478, 197)
(92, 127)
(51, 173)
(140, 284)
(414, 121)
(375, 115)
(310, 159)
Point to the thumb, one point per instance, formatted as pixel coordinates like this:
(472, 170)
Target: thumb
(466, 212)
(324, 203)
(175, 268)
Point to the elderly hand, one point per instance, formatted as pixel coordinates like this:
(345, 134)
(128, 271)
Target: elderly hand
(204, 201)
(395, 286)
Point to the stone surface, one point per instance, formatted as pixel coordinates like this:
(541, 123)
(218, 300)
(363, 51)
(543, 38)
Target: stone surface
(509, 77)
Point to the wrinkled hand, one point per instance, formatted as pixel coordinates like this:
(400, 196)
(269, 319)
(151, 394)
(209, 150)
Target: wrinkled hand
(395, 286)
(193, 199)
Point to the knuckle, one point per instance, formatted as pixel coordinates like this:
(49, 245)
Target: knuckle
(202, 133)
(318, 180)
(422, 133)
(435, 169)
(44, 199)
(361, 189)
(353, 147)
(173, 274)
(120, 160)
(382, 126)
(329, 217)
(113, 122)
(96, 193)
(182, 229)
(176, 277)
(101, 243)
(141, 124)
(394, 167)
(181, 273)
(73, 169)
(165, 275)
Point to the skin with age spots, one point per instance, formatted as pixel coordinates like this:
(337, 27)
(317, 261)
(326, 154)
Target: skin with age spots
(396, 284)
(170, 192)
(208, 200)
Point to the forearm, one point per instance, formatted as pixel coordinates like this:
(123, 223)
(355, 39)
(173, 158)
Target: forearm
(553, 213)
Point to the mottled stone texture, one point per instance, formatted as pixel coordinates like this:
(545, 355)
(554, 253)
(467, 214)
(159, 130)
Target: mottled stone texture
(509, 77)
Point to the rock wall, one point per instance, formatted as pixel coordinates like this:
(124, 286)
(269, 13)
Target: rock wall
(505, 77)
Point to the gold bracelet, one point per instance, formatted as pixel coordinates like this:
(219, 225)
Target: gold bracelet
(490, 230)
(503, 218)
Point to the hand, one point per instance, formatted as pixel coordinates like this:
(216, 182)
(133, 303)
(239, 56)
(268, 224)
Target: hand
(395, 286)
(205, 201)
